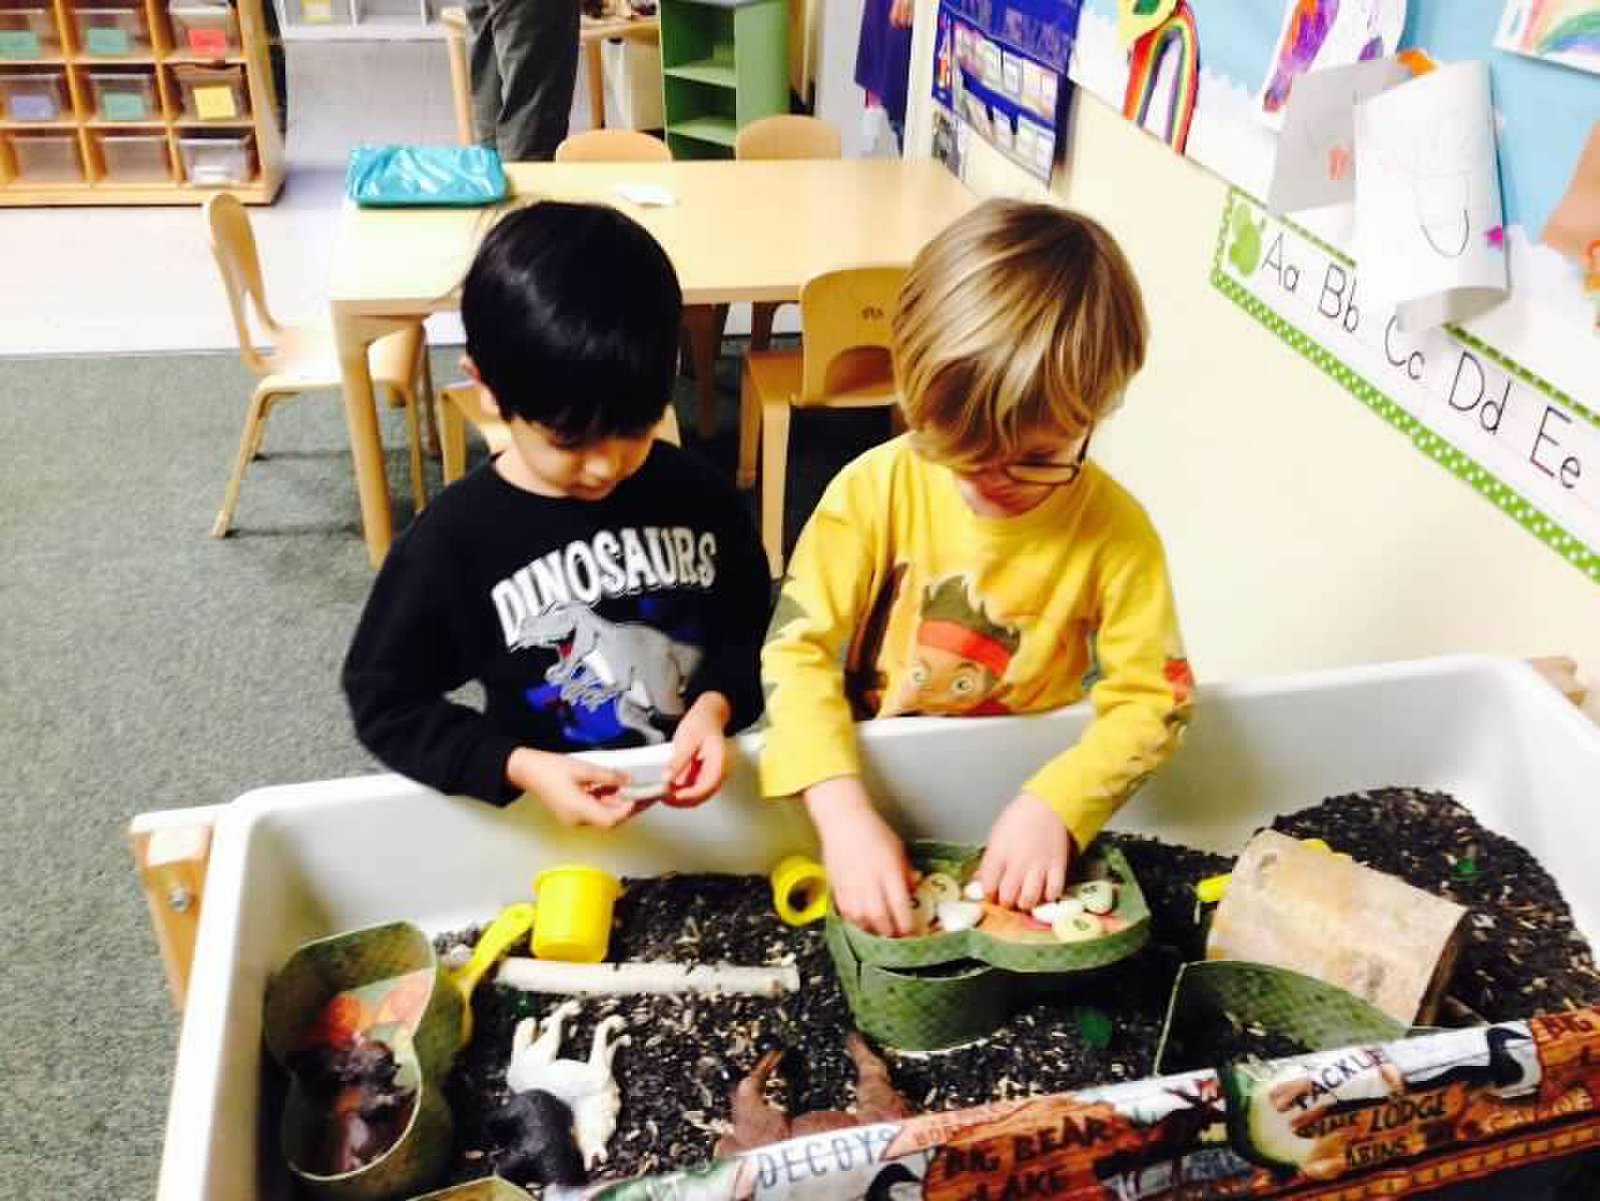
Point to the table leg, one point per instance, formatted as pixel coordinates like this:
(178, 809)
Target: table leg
(352, 335)
(597, 85)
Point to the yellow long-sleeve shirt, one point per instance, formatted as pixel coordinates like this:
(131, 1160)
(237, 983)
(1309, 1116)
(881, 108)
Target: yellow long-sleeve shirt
(900, 599)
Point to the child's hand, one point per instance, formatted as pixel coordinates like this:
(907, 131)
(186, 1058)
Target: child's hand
(1028, 855)
(699, 760)
(866, 864)
(576, 792)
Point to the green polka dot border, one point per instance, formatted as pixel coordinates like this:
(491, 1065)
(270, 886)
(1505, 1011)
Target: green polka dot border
(1440, 450)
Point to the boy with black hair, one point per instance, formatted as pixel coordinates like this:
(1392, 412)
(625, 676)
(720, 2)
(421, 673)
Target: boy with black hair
(606, 588)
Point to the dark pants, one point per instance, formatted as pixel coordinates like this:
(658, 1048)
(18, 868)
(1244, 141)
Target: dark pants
(524, 67)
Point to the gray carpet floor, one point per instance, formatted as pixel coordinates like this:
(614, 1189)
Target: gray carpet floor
(144, 665)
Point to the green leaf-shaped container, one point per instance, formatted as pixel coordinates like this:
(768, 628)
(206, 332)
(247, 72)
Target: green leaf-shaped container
(397, 984)
(942, 990)
(1029, 951)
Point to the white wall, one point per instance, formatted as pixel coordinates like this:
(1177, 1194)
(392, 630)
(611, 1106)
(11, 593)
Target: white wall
(1303, 530)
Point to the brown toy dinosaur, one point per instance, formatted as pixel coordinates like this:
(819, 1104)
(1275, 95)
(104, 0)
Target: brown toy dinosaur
(756, 1123)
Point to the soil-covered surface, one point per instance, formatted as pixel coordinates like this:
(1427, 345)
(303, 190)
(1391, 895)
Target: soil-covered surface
(687, 1053)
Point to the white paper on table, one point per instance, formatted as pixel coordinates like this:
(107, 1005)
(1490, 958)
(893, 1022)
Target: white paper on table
(1429, 238)
(1315, 164)
(1317, 34)
(646, 195)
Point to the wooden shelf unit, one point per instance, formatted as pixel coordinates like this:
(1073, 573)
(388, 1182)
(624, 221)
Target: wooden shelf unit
(167, 118)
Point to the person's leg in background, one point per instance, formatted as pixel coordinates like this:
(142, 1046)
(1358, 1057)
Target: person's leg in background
(536, 43)
(484, 70)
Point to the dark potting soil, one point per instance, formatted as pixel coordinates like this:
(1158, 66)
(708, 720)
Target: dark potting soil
(687, 1053)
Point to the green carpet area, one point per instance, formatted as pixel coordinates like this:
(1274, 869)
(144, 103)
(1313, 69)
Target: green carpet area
(145, 665)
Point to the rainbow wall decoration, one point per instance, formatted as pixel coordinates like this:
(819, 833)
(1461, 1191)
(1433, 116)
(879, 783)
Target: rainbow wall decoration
(1176, 36)
(1562, 31)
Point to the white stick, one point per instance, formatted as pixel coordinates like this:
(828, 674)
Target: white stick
(549, 976)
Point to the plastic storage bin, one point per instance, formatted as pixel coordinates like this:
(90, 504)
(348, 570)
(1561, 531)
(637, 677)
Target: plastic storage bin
(205, 31)
(47, 158)
(212, 93)
(34, 96)
(113, 31)
(136, 158)
(1489, 732)
(218, 160)
(125, 95)
(28, 31)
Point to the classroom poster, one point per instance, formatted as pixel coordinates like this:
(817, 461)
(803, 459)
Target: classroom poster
(999, 70)
(1526, 446)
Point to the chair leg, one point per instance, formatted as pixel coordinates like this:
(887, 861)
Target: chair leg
(249, 443)
(774, 468)
(749, 429)
(452, 438)
(425, 398)
(419, 481)
(761, 314)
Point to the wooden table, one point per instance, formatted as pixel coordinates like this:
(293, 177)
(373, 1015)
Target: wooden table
(592, 33)
(739, 231)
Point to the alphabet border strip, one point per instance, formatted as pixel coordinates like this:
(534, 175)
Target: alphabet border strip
(1441, 450)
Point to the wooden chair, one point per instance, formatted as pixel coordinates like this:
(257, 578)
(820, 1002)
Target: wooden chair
(613, 146)
(702, 324)
(464, 404)
(782, 137)
(302, 357)
(845, 363)
(454, 21)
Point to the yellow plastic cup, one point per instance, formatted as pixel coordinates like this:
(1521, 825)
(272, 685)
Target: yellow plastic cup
(572, 922)
(799, 890)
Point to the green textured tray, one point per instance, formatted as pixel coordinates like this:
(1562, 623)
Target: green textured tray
(424, 1048)
(1314, 1013)
(918, 1010)
(489, 1188)
(1038, 951)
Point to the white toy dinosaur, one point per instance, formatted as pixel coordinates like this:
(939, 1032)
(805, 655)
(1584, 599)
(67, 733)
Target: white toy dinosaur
(586, 1088)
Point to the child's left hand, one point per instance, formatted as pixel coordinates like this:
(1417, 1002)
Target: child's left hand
(699, 760)
(1029, 854)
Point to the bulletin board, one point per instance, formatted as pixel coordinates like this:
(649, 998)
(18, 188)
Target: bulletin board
(1507, 399)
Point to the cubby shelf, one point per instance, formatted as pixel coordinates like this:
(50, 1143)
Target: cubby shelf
(724, 63)
(83, 158)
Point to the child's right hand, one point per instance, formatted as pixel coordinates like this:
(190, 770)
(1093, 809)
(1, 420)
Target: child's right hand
(868, 874)
(576, 792)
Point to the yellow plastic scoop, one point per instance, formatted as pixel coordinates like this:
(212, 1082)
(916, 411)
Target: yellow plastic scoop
(513, 923)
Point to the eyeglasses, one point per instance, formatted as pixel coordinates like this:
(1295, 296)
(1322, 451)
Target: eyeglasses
(1047, 472)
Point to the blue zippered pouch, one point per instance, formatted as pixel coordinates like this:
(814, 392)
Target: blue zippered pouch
(425, 177)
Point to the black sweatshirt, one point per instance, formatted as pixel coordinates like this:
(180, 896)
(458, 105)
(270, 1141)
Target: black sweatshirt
(589, 623)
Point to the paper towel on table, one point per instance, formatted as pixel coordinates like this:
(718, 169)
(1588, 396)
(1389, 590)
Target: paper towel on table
(1429, 238)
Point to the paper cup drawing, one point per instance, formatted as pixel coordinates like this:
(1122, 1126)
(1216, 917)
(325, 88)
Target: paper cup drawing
(1429, 237)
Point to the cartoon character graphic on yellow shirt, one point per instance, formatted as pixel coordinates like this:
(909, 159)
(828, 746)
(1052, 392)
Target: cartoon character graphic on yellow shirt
(961, 655)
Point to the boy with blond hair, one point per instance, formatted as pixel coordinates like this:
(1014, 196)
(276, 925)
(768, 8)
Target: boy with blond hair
(980, 564)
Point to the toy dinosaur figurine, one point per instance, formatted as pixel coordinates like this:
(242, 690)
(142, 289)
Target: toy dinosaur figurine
(756, 1123)
(365, 1110)
(535, 1130)
(586, 1088)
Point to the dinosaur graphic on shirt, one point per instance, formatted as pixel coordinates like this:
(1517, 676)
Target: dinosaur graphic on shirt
(643, 672)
